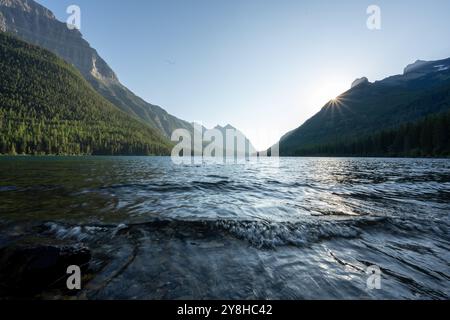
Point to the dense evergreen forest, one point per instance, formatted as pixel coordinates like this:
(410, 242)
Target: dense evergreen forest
(46, 107)
(429, 137)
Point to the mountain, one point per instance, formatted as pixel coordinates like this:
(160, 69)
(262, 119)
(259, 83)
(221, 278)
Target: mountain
(360, 81)
(368, 109)
(428, 137)
(243, 146)
(36, 24)
(47, 107)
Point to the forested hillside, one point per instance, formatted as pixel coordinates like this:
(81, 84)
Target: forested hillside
(46, 107)
(429, 137)
(395, 116)
(35, 24)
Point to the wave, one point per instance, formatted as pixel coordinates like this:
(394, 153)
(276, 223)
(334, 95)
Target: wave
(222, 185)
(258, 233)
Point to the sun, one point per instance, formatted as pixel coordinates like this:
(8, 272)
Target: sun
(335, 102)
(328, 88)
(331, 91)
(335, 99)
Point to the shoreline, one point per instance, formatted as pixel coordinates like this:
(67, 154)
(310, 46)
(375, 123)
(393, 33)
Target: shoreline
(162, 156)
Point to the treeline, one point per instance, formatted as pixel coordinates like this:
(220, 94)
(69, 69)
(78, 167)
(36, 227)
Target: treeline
(20, 135)
(46, 107)
(429, 137)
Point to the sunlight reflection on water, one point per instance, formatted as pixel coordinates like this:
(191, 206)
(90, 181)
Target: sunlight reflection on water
(297, 228)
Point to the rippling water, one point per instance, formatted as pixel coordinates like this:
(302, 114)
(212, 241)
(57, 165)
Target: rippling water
(290, 229)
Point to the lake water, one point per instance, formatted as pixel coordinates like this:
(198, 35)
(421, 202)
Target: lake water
(304, 228)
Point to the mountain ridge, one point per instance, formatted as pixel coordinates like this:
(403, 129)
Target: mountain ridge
(423, 89)
(47, 107)
(36, 24)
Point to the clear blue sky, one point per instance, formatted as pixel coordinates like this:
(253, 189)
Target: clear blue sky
(264, 66)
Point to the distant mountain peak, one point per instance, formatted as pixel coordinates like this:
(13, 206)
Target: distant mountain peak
(414, 66)
(359, 82)
(228, 126)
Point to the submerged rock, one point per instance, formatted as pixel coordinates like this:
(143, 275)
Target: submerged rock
(26, 271)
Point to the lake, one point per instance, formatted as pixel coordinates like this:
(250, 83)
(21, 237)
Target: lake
(293, 228)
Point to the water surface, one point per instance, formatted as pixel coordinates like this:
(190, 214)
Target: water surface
(304, 228)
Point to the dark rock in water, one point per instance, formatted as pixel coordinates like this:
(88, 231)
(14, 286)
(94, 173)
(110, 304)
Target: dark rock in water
(26, 271)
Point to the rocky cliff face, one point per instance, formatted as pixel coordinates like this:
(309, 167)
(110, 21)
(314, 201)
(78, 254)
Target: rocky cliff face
(414, 66)
(37, 25)
(27, 6)
(359, 82)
